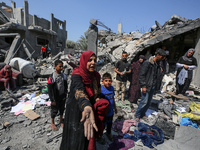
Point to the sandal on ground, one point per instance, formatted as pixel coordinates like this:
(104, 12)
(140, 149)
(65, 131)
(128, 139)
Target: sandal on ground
(101, 140)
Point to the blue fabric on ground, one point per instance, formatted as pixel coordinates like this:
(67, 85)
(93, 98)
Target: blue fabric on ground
(139, 135)
(149, 112)
(187, 122)
(147, 140)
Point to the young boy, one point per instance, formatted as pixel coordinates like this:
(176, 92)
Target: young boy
(57, 89)
(107, 92)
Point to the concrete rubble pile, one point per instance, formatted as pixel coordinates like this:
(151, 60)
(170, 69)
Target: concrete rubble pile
(25, 112)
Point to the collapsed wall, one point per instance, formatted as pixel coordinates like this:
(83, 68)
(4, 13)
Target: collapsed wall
(177, 34)
(33, 32)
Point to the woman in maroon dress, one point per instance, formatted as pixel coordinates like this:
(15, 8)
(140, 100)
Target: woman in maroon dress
(6, 78)
(134, 89)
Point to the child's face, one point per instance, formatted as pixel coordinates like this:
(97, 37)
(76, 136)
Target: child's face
(107, 82)
(59, 67)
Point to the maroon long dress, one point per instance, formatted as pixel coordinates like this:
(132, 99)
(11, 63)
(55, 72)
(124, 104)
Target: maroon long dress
(134, 89)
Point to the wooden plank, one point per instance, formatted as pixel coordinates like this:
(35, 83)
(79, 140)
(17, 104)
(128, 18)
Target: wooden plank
(177, 96)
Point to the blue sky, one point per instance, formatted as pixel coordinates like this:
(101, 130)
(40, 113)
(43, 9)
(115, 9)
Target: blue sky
(134, 15)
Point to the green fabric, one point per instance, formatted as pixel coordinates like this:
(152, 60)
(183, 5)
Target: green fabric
(125, 104)
(46, 89)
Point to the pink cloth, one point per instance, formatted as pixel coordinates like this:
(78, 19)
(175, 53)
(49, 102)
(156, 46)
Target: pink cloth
(48, 103)
(19, 112)
(127, 124)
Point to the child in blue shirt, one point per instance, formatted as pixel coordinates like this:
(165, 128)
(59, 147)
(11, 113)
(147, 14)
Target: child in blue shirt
(107, 92)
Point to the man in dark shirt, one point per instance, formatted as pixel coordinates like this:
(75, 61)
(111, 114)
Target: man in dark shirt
(122, 68)
(148, 77)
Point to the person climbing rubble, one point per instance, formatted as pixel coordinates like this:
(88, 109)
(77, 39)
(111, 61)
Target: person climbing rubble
(43, 52)
(48, 51)
(57, 89)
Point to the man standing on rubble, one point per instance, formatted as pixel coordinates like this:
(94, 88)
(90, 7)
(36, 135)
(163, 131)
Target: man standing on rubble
(148, 76)
(164, 70)
(122, 68)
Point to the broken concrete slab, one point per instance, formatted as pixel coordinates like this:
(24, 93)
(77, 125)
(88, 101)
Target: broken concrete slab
(27, 68)
(115, 43)
(12, 49)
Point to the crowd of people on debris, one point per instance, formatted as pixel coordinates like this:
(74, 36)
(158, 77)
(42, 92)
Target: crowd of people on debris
(90, 106)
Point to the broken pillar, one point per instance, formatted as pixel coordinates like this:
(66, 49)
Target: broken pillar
(26, 14)
(92, 36)
(12, 49)
(58, 55)
(28, 53)
(13, 4)
(119, 28)
(52, 24)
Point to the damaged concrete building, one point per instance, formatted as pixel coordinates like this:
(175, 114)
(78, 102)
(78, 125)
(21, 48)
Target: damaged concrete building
(178, 35)
(22, 34)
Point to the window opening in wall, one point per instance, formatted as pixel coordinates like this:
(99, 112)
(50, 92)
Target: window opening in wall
(42, 41)
(60, 25)
(9, 40)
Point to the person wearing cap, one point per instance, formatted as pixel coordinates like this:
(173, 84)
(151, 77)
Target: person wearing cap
(186, 64)
(148, 76)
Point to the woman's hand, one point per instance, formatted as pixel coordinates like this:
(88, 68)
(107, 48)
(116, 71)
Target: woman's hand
(89, 122)
(186, 66)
